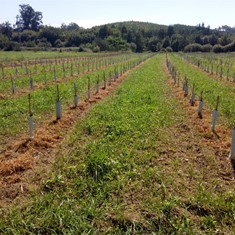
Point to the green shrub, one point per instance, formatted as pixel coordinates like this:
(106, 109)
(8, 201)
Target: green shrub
(193, 47)
(96, 49)
(217, 48)
(169, 49)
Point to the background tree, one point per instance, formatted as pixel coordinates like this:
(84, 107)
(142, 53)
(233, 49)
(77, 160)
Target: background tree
(51, 34)
(161, 34)
(166, 42)
(124, 32)
(224, 40)
(28, 18)
(139, 42)
(170, 30)
(104, 32)
(176, 42)
(6, 29)
(70, 26)
(74, 40)
(152, 44)
(4, 41)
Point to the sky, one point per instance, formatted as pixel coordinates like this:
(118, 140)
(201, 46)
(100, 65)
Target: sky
(89, 13)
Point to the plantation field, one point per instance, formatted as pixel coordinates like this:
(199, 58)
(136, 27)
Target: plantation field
(222, 65)
(132, 158)
(211, 85)
(9, 57)
(42, 83)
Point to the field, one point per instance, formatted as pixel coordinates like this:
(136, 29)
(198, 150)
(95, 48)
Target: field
(132, 156)
(10, 57)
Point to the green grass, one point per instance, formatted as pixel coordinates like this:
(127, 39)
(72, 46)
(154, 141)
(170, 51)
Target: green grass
(108, 180)
(211, 88)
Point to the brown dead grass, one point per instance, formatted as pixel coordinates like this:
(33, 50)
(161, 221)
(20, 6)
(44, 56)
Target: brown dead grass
(15, 165)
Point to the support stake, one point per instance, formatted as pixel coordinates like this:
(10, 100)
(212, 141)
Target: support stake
(30, 118)
(97, 85)
(88, 88)
(200, 106)
(75, 95)
(104, 80)
(192, 99)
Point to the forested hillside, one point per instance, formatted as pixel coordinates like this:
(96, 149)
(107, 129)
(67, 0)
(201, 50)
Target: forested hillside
(29, 33)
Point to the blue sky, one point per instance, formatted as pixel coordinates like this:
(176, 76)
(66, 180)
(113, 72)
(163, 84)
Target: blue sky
(88, 13)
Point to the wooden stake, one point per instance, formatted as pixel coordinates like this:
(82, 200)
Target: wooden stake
(3, 74)
(13, 88)
(200, 106)
(217, 103)
(71, 70)
(97, 85)
(31, 81)
(75, 95)
(55, 76)
(110, 78)
(30, 118)
(192, 99)
(88, 88)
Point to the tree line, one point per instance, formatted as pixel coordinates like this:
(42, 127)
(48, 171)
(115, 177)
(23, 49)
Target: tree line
(30, 33)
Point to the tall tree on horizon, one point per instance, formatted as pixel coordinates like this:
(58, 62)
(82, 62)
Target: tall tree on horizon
(28, 18)
(170, 30)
